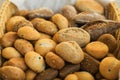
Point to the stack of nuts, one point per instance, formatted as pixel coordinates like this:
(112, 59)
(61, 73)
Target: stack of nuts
(75, 43)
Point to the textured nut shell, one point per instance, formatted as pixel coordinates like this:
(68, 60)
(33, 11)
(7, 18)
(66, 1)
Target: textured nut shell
(11, 73)
(47, 27)
(89, 6)
(44, 46)
(23, 13)
(83, 75)
(12, 21)
(85, 17)
(54, 60)
(23, 46)
(97, 49)
(20, 24)
(17, 62)
(10, 52)
(30, 75)
(68, 11)
(35, 21)
(109, 40)
(99, 27)
(35, 61)
(109, 68)
(70, 51)
(41, 13)
(60, 21)
(8, 39)
(71, 77)
(72, 34)
(28, 33)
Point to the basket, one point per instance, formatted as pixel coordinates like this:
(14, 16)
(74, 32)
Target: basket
(6, 11)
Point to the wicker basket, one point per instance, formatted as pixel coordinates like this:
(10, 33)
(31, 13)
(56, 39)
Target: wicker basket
(6, 11)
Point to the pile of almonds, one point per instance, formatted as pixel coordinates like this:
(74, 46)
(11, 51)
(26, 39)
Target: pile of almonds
(76, 43)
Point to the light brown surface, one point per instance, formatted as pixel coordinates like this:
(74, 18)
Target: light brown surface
(11, 73)
(71, 77)
(89, 6)
(73, 34)
(109, 40)
(8, 39)
(83, 75)
(35, 61)
(54, 60)
(97, 49)
(13, 21)
(109, 68)
(70, 51)
(43, 46)
(23, 46)
(47, 27)
(28, 33)
(10, 52)
(30, 75)
(17, 62)
(60, 21)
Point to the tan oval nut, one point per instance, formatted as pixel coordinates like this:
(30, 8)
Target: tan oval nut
(70, 51)
(23, 46)
(47, 27)
(54, 60)
(23, 13)
(71, 77)
(30, 75)
(44, 46)
(8, 39)
(68, 11)
(109, 68)
(60, 21)
(17, 62)
(22, 24)
(11, 73)
(73, 34)
(10, 52)
(83, 75)
(97, 49)
(41, 13)
(13, 21)
(35, 21)
(109, 40)
(35, 61)
(89, 6)
(28, 33)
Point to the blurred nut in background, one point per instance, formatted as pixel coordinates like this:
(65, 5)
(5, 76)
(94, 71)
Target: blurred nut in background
(60, 21)
(89, 6)
(68, 11)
